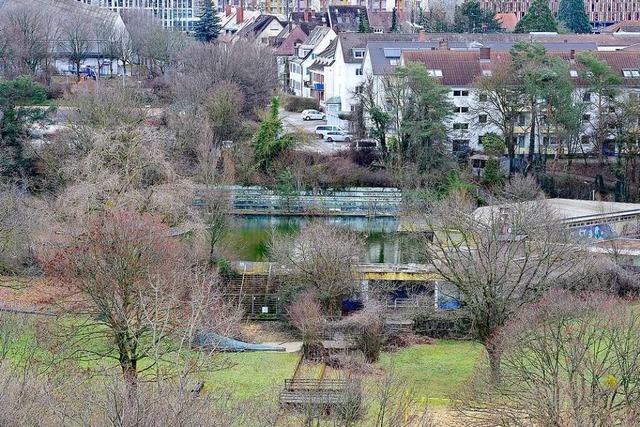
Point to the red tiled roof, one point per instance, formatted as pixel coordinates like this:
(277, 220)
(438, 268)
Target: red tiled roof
(380, 20)
(628, 26)
(462, 68)
(508, 20)
(287, 48)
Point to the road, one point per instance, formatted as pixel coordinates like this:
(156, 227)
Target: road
(293, 122)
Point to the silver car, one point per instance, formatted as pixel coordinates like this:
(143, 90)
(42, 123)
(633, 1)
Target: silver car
(337, 136)
(312, 115)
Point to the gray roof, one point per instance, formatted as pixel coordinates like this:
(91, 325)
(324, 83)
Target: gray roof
(315, 37)
(344, 18)
(351, 41)
(381, 53)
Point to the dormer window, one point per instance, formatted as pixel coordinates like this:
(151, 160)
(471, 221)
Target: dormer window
(435, 73)
(631, 73)
(486, 73)
(573, 73)
(378, 30)
(358, 53)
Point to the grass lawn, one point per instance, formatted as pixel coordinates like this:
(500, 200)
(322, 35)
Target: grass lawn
(434, 371)
(255, 373)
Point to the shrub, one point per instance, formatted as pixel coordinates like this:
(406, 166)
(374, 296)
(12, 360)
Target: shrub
(299, 103)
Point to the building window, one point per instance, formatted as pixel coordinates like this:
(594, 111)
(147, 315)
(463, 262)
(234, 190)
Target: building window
(359, 89)
(482, 97)
(461, 109)
(521, 120)
(460, 144)
(358, 71)
(586, 97)
(585, 139)
(631, 73)
(358, 53)
(393, 61)
(482, 118)
(435, 73)
(460, 93)
(549, 140)
(461, 126)
(378, 30)
(521, 141)
(486, 73)
(612, 109)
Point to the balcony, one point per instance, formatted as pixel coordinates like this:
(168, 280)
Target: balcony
(318, 86)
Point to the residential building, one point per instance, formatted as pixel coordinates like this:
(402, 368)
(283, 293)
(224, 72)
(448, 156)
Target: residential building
(263, 29)
(601, 13)
(458, 70)
(299, 72)
(344, 77)
(286, 51)
(178, 14)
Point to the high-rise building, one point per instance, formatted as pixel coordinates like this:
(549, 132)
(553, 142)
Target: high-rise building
(178, 14)
(600, 12)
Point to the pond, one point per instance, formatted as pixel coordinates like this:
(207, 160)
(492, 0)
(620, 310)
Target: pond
(248, 238)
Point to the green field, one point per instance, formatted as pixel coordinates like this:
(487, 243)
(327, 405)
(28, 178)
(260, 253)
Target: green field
(254, 373)
(434, 371)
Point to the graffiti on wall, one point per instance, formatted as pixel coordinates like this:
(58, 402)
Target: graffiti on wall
(598, 231)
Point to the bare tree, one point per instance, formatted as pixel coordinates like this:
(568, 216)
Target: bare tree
(248, 65)
(499, 258)
(137, 290)
(569, 360)
(76, 41)
(502, 102)
(29, 32)
(323, 258)
(305, 314)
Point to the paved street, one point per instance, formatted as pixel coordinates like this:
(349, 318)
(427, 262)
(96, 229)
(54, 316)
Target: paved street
(293, 122)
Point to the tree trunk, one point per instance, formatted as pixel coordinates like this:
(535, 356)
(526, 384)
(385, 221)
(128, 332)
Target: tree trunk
(495, 356)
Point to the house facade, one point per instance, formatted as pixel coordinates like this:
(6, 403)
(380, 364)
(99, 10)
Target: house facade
(469, 123)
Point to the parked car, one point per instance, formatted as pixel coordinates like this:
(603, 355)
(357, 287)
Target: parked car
(321, 130)
(313, 115)
(337, 136)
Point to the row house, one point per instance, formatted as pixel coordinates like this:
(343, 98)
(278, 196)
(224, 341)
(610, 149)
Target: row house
(459, 71)
(306, 53)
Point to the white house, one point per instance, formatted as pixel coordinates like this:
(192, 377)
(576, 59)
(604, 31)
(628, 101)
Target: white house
(299, 67)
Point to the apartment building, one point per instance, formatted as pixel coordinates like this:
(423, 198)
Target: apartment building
(600, 12)
(178, 14)
(459, 70)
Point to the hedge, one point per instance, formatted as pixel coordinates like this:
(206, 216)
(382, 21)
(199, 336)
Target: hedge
(299, 103)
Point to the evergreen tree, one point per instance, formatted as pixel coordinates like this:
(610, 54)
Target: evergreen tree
(363, 25)
(269, 142)
(394, 21)
(470, 18)
(207, 28)
(572, 14)
(538, 18)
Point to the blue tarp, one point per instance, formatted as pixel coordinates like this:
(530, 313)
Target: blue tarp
(218, 342)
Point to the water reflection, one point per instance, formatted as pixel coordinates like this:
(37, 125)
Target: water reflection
(248, 239)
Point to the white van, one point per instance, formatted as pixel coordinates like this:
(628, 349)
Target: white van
(322, 130)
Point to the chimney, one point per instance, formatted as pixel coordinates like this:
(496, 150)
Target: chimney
(422, 36)
(485, 54)
(239, 15)
(443, 44)
(306, 15)
(227, 10)
(572, 54)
